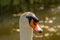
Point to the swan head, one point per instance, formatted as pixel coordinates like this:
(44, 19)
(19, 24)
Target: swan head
(31, 20)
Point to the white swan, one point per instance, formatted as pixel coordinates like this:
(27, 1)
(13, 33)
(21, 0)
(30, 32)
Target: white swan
(28, 22)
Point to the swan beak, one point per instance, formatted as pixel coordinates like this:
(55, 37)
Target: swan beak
(35, 26)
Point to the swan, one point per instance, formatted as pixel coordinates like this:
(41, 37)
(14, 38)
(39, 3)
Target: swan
(27, 23)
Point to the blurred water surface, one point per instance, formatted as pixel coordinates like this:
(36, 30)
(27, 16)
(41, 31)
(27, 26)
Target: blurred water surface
(49, 22)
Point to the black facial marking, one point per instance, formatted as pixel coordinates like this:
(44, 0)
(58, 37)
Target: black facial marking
(34, 18)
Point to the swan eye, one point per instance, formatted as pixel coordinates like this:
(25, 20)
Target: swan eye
(35, 20)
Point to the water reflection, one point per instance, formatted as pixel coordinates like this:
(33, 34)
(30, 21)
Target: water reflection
(58, 33)
(50, 26)
(52, 30)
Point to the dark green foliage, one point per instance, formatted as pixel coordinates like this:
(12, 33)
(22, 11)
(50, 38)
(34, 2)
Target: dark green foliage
(16, 6)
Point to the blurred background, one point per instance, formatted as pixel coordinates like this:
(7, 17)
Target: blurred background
(48, 12)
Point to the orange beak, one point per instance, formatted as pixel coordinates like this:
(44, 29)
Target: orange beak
(35, 26)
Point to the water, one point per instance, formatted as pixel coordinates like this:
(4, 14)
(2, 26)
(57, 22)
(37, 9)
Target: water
(50, 24)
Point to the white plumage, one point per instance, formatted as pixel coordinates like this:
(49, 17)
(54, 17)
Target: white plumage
(26, 32)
